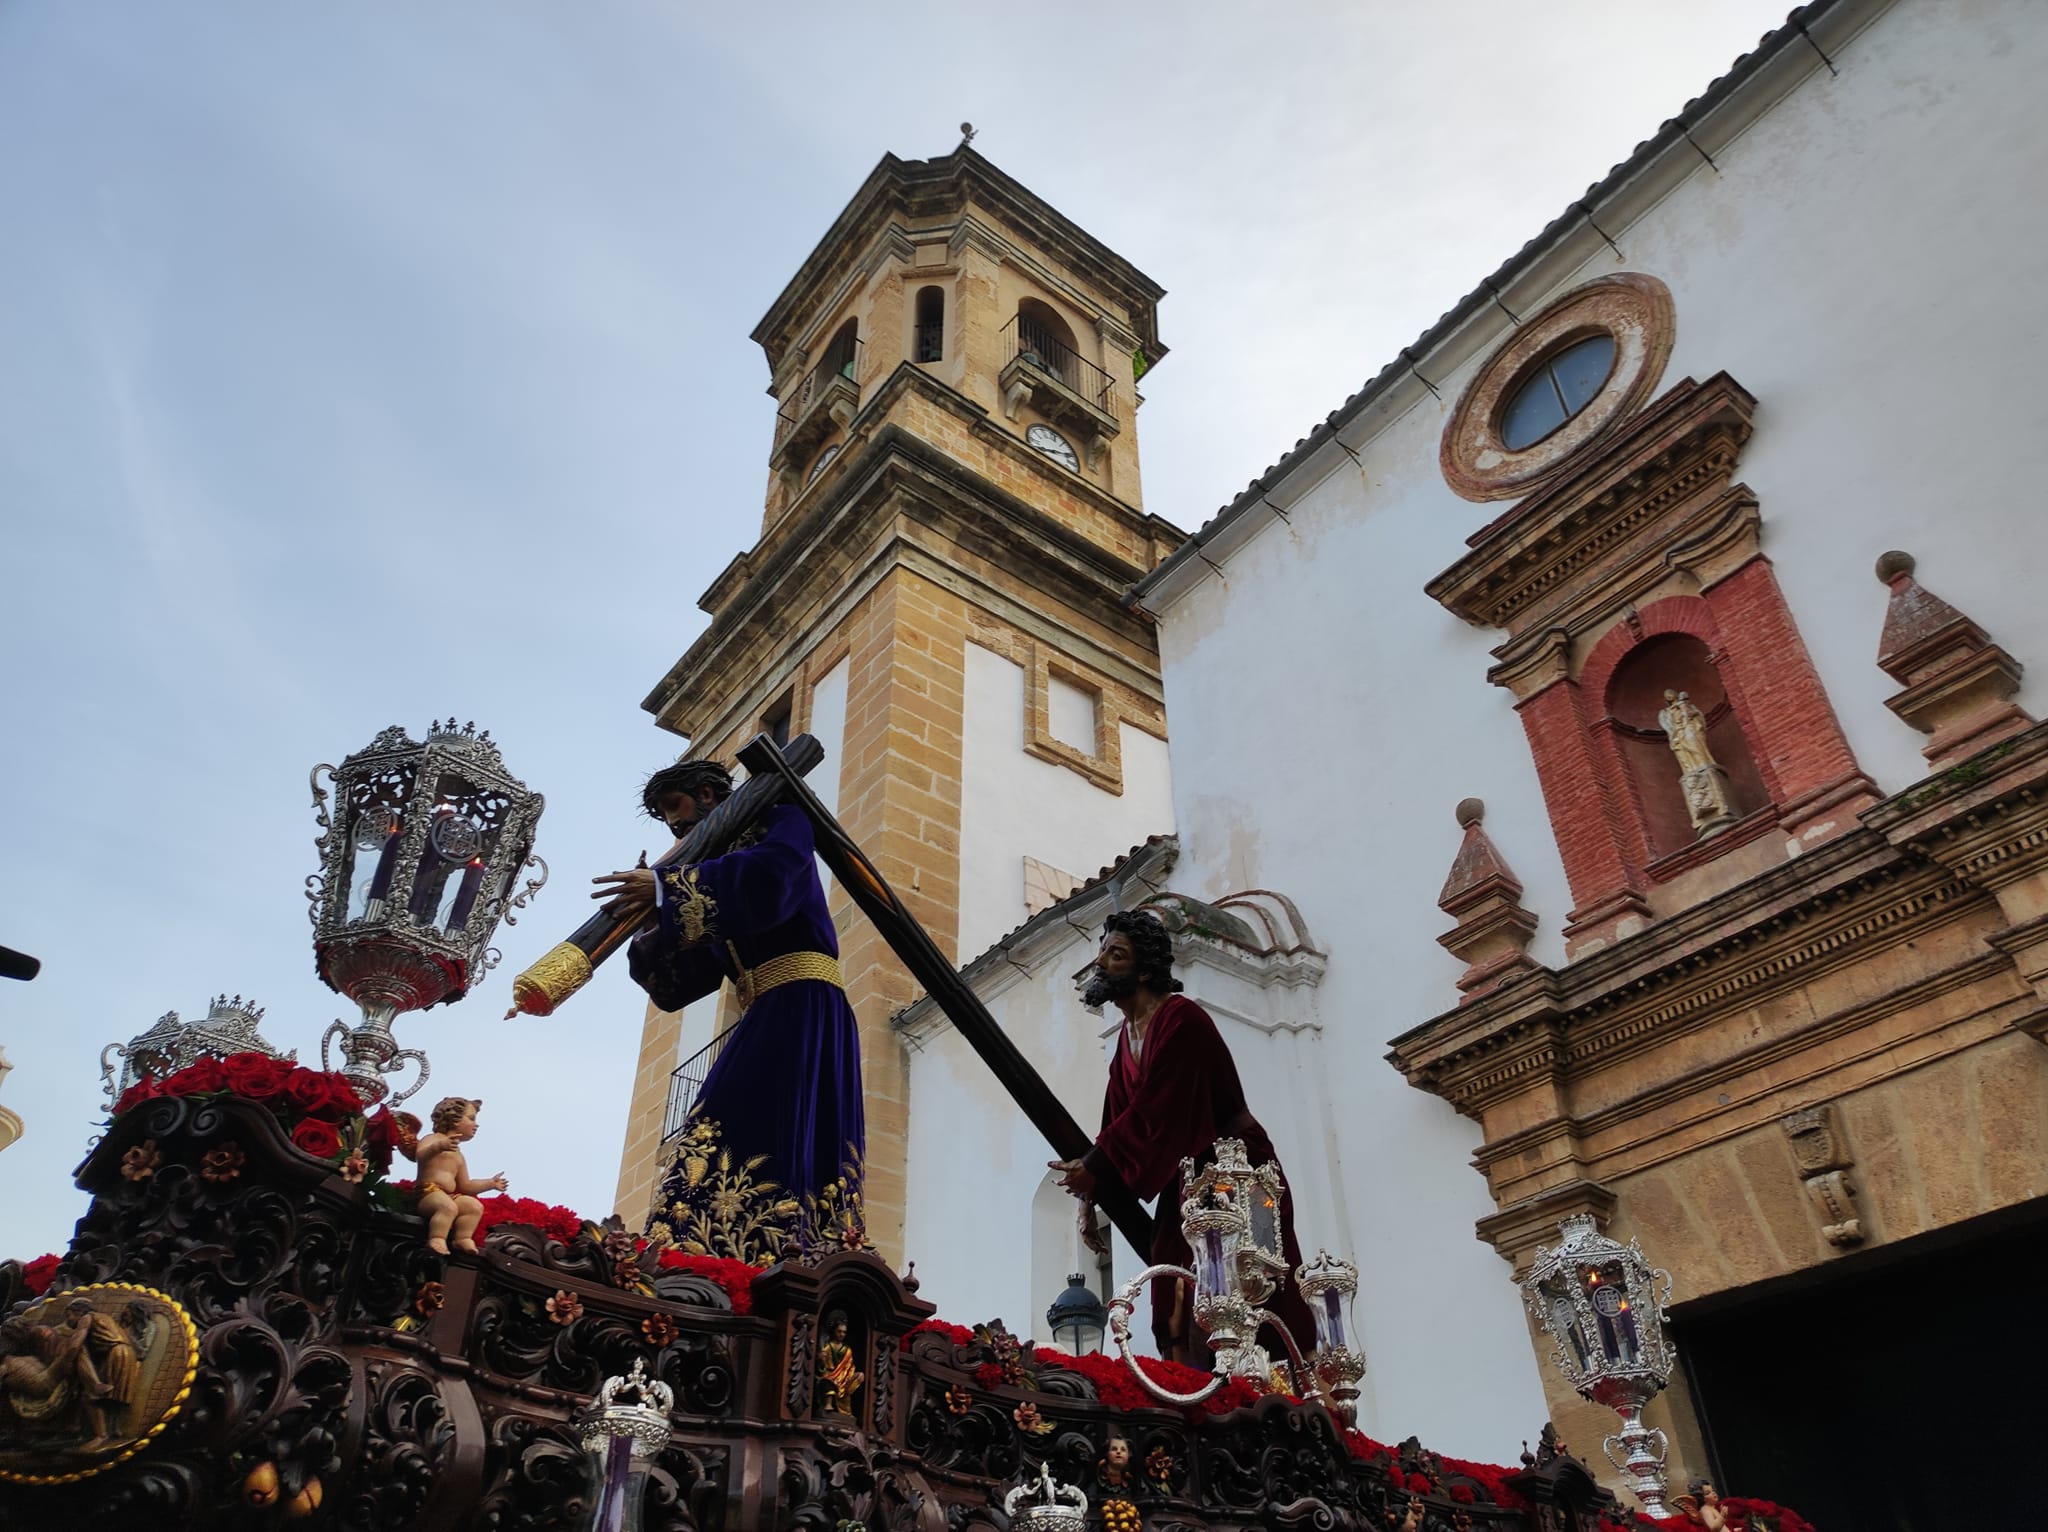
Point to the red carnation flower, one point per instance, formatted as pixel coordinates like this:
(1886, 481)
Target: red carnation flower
(202, 1077)
(38, 1274)
(317, 1138)
(255, 1075)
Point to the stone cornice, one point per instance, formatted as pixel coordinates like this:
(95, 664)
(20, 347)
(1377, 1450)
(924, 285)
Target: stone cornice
(1623, 510)
(931, 190)
(1775, 932)
(902, 501)
(1921, 858)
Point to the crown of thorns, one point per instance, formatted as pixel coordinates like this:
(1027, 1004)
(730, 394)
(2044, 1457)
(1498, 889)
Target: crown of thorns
(690, 777)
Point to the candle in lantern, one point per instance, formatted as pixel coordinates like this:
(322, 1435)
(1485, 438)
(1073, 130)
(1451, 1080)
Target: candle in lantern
(465, 896)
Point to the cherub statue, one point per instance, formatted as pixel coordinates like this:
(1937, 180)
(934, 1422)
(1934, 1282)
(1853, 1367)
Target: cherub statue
(838, 1378)
(1702, 1506)
(1116, 1464)
(447, 1194)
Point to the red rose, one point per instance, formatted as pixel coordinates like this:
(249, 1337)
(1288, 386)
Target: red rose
(142, 1090)
(199, 1078)
(306, 1090)
(317, 1138)
(342, 1100)
(255, 1075)
(379, 1139)
(39, 1273)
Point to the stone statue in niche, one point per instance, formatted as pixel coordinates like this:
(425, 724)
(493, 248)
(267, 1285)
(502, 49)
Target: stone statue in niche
(1702, 778)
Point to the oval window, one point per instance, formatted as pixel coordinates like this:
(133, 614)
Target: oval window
(1556, 391)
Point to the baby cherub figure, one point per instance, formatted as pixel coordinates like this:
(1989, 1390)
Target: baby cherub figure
(447, 1194)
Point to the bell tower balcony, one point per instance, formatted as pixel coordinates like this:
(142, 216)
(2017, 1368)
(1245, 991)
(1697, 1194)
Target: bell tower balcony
(824, 402)
(1045, 370)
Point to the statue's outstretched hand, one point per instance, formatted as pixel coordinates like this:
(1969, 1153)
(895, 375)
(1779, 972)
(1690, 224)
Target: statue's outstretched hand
(628, 892)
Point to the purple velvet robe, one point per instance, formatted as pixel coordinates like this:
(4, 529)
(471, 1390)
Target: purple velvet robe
(768, 1163)
(1169, 1103)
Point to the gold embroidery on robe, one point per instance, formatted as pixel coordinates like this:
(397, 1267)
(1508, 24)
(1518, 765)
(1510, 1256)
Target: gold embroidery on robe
(715, 1203)
(696, 911)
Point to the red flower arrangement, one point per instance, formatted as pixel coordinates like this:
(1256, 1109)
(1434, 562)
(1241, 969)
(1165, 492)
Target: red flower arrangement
(321, 1110)
(38, 1274)
(553, 1221)
(736, 1277)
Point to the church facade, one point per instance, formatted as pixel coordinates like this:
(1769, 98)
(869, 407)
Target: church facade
(1602, 779)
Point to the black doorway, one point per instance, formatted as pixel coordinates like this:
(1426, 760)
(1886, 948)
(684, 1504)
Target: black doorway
(1896, 1392)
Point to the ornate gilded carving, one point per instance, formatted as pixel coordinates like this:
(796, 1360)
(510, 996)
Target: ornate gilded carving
(552, 978)
(1822, 1154)
(88, 1377)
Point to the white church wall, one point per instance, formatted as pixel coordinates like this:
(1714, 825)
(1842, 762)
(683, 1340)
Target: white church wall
(977, 1167)
(1820, 267)
(1014, 804)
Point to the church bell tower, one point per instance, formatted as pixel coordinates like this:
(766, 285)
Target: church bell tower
(952, 520)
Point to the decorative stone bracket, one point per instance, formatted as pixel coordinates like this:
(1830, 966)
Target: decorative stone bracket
(1821, 1152)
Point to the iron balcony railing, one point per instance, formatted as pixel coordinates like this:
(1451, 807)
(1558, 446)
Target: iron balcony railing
(686, 1081)
(1036, 344)
(841, 361)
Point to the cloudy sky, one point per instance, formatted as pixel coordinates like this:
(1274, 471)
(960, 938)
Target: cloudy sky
(365, 362)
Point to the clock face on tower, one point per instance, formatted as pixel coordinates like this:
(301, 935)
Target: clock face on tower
(1054, 446)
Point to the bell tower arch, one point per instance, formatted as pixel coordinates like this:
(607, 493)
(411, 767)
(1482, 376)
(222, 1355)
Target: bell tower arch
(951, 519)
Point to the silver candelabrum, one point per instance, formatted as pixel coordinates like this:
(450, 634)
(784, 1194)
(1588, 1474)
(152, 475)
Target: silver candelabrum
(418, 862)
(1230, 1213)
(1600, 1302)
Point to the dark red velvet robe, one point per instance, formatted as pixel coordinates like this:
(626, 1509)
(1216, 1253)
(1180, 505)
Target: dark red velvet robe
(1170, 1103)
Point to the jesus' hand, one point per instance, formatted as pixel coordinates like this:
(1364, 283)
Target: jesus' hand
(632, 892)
(1075, 1176)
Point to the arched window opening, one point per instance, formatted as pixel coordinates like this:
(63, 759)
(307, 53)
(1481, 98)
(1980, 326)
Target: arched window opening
(1662, 743)
(1556, 391)
(840, 352)
(931, 324)
(1045, 339)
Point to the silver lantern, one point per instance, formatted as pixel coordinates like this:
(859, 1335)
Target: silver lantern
(1230, 1213)
(621, 1438)
(418, 862)
(1329, 1286)
(1601, 1303)
(170, 1044)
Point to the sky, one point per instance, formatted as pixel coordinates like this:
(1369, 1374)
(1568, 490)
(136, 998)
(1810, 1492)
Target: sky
(363, 363)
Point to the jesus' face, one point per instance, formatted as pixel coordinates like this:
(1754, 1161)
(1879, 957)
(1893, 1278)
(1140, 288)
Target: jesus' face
(1116, 971)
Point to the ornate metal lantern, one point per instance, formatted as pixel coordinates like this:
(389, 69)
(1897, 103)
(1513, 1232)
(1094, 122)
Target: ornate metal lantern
(1077, 1318)
(1599, 1301)
(170, 1044)
(1329, 1286)
(622, 1439)
(1231, 1216)
(417, 866)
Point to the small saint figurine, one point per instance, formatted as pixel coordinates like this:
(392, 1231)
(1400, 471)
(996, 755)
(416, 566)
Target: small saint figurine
(1116, 1464)
(1700, 776)
(838, 1378)
(447, 1193)
(1702, 1506)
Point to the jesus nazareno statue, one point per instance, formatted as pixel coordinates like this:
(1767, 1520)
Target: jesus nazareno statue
(768, 1163)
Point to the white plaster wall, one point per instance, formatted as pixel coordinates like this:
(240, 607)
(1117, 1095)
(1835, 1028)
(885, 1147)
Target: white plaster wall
(973, 1220)
(1014, 805)
(1867, 262)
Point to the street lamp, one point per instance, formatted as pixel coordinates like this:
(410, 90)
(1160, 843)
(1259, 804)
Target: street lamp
(1598, 1301)
(1230, 1213)
(1077, 1318)
(417, 865)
